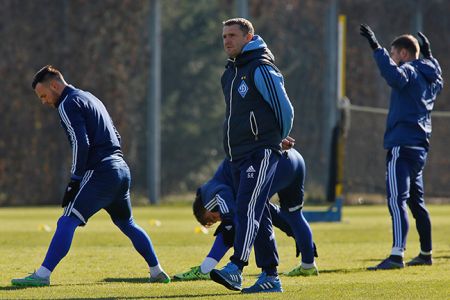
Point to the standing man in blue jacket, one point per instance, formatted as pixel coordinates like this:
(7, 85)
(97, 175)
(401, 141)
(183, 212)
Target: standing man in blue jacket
(258, 116)
(415, 85)
(100, 178)
(215, 202)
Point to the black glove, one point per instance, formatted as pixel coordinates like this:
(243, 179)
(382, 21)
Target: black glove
(366, 32)
(71, 191)
(227, 229)
(424, 45)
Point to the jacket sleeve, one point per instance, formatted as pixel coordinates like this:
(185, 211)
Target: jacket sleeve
(270, 84)
(395, 76)
(218, 196)
(75, 127)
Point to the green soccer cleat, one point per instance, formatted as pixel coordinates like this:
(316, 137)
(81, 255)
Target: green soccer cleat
(160, 278)
(31, 280)
(193, 274)
(300, 271)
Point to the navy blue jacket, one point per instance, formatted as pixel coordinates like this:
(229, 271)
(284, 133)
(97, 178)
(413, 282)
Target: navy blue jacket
(415, 86)
(258, 111)
(89, 128)
(218, 194)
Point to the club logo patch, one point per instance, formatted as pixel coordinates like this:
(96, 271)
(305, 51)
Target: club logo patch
(243, 89)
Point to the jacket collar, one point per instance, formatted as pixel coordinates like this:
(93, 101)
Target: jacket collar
(67, 90)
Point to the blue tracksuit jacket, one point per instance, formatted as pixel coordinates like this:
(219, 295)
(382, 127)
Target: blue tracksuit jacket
(415, 86)
(89, 128)
(258, 111)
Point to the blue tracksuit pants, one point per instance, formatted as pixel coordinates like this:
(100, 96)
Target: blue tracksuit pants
(252, 179)
(404, 185)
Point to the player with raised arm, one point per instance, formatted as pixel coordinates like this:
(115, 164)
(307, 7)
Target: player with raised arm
(415, 83)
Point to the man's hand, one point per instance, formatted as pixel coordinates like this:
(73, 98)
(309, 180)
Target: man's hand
(227, 229)
(424, 45)
(71, 191)
(287, 143)
(366, 32)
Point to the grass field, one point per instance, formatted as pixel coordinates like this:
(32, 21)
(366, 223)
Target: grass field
(103, 265)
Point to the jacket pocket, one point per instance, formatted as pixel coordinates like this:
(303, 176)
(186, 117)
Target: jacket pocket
(254, 125)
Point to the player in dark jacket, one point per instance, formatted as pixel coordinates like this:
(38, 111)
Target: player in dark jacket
(100, 178)
(258, 116)
(215, 202)
(415, 84)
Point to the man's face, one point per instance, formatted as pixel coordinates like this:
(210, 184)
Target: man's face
(211, 217)
(46, 93)
(234, 40)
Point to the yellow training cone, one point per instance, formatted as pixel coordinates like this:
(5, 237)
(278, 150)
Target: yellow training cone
(201, 229)
(154, 222)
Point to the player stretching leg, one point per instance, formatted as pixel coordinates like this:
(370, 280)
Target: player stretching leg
(215, 202)
(100, 178)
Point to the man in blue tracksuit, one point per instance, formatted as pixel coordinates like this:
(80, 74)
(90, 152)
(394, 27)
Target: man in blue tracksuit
(100, 178)
(415, 85)
(215, 201)
(258, 116)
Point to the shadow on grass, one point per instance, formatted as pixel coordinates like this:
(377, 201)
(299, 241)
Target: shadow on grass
(373, 259)
(129, 280)
(442, 256)
(342, 271)
(152, 297)
(12, 288)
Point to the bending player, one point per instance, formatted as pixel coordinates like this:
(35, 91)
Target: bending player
(215, 201)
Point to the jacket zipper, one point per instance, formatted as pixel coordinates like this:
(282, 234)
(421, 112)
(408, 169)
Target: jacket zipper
(229, 115)
(254, 125)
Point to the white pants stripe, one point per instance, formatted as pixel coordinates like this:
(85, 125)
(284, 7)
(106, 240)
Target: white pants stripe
(393, 203)
(251, 222)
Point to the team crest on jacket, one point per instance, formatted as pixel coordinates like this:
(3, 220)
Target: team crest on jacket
(243, 89)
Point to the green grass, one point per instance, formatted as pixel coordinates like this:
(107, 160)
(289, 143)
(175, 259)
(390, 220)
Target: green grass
(103, 265)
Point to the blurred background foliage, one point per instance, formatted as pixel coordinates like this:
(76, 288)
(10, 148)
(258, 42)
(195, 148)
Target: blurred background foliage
(103, 47)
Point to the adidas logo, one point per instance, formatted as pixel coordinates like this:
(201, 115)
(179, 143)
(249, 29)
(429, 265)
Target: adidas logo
(250, 170)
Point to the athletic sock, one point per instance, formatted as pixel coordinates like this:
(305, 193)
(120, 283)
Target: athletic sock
(426, 253)
(208, 264)
(61, 241)
(140, 239)
(308, 266)
(154, 271)
(396, 251)
(43, 272)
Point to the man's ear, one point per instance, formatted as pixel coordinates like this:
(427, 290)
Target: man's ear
(53, 84)
(404, 54)
(249, 37)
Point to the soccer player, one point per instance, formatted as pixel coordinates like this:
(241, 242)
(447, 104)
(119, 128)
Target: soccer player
(100, 178)
(415, 84)
(258, 116)
(215, 202)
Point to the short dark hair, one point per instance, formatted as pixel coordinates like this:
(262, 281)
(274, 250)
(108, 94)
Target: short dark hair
(407, 42)
(198, 208)
(244, 25)
(46, 73)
